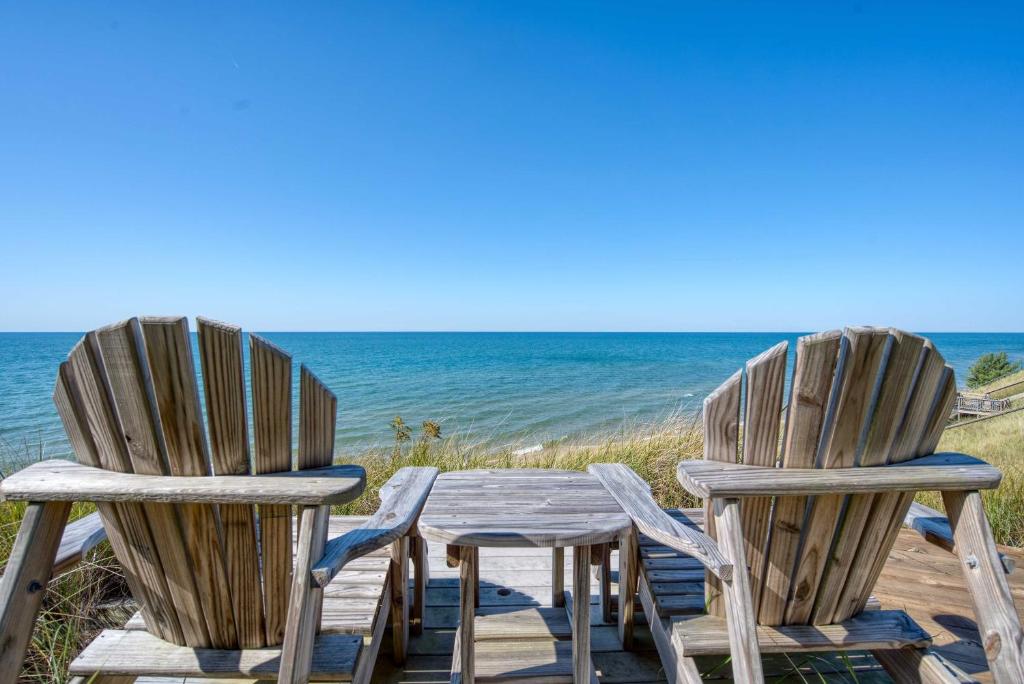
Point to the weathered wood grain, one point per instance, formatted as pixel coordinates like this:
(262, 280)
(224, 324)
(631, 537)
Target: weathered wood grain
(628, 489)
(766, 379)
(946, 471)
(467, 614)
(879, 629)
(581, 665)
(272, 431)
(303, 616)
(220, 351)
(179, 424)
(135, 652)
(998, 622)
(79, 538)
(395, 517)
(58, 480)
(88, 421)
(852, 548)
(861, 369)
(520, 508)
(721, 443)
(28, 570)
(126, 377)
(810, 390)
(739, 609)
(629, 557)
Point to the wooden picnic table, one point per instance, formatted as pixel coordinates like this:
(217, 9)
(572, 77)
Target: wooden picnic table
(522, 508)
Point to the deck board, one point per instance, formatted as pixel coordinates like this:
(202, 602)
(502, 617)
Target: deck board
(916, 573)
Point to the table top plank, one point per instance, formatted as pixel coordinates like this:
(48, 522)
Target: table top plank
(530, 508)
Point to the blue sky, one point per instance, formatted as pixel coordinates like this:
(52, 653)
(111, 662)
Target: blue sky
(513, 166)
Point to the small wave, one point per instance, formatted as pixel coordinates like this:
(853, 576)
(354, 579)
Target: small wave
(688, 394)
(528, 450)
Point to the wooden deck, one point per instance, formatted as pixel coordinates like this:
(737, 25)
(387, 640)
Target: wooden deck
(516, 603)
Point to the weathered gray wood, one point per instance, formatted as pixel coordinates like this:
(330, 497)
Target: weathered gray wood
(546, 508)
(721, 443)
(303, 616)
(79, 538)
(136, 652)
(766, 379)
(271, 371)
(629, 557)
(421, 575)
(932, 525)
(220, 351)
(581, 665)
(858, 370)
(59, 480)
(126, 378)
(937, 472)
(558, 576)
(394, 519)
(179, 424)
(739, 609)
(29, 568)
(880, 629)
(467, 614)
(895, 392)
(399, 580)
(921, 666)
(88, 419)
(998, 622)
(628, 489)
(926, 416)
(810, 390)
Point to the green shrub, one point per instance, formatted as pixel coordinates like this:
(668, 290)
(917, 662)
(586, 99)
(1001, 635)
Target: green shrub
(990, 367)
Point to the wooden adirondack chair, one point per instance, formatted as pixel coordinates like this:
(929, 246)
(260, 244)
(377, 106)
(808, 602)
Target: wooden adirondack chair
(207, 548)
(813, 523)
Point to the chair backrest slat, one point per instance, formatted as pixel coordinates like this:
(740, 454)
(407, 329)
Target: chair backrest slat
(810, 389)
(863, 397)
(272, 432)
(220, 350)
(766, 382)
(721, 443)
(318, 411)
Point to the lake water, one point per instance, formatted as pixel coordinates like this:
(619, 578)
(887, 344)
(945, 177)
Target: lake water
(499, 388)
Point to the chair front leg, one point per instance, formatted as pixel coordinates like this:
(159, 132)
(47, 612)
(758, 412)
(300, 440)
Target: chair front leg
(998, 623)
(25, 578)
(399, 570)
(739, 608)
(305, 600)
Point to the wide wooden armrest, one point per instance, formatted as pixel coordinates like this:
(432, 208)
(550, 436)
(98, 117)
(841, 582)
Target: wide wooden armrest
(634, 495)
(937, 472)
(80, 537)
(59, 480)
(402, 497)
(934, 528)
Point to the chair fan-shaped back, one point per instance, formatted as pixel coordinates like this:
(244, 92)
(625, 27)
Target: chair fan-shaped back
(128, 395)
(860, 397)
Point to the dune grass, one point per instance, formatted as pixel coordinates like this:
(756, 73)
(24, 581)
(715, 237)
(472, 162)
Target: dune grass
(92, 597)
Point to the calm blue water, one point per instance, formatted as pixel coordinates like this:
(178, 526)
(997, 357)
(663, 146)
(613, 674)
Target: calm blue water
(501, 388)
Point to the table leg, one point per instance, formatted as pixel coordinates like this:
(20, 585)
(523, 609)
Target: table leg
(628, 553)
(467, 603)
(557, 577)
(581, 614)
